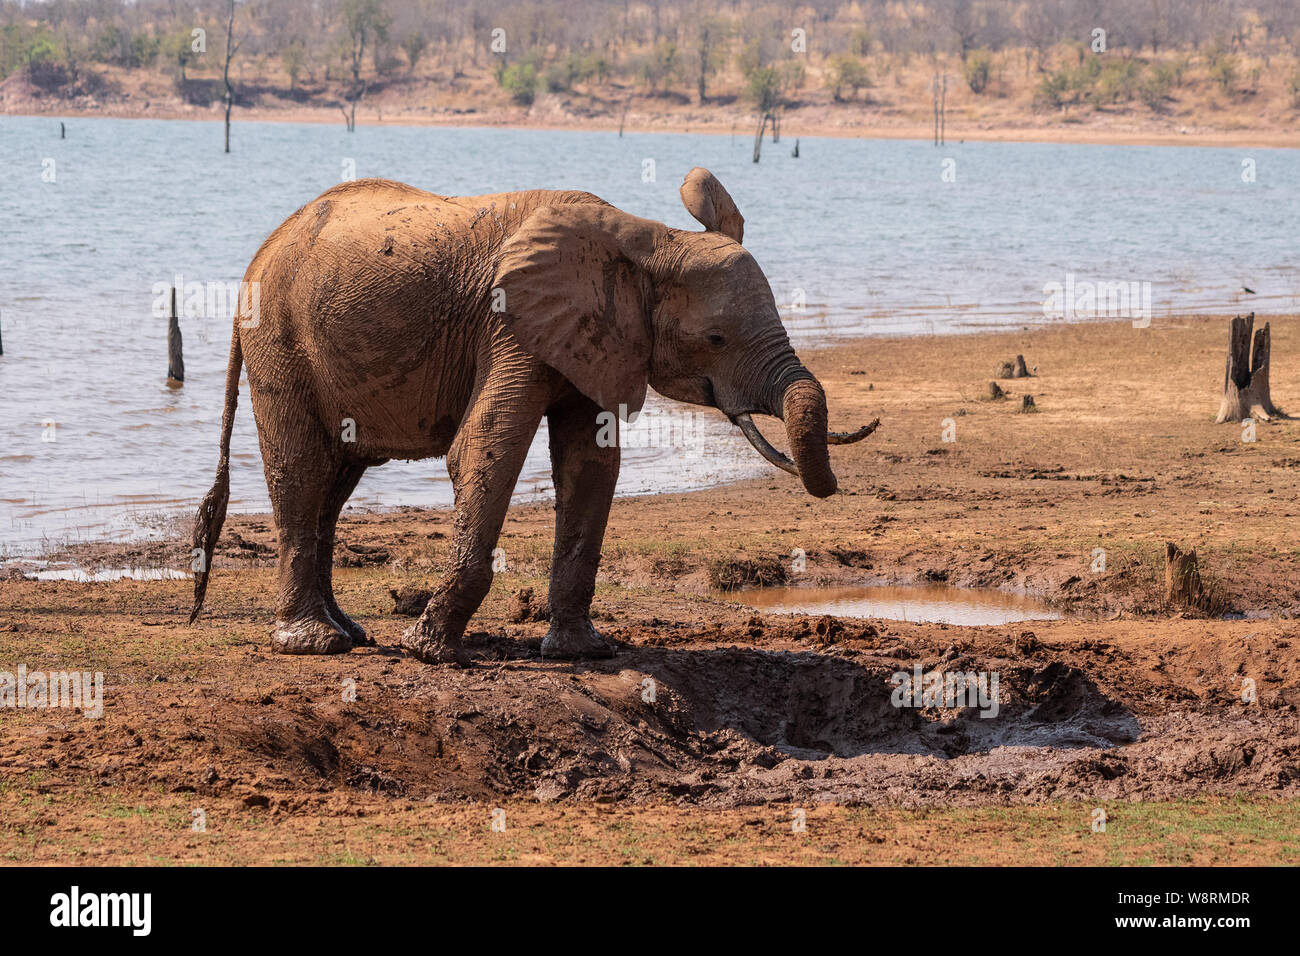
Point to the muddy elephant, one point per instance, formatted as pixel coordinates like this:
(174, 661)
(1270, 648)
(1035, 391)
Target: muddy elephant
(389, 322)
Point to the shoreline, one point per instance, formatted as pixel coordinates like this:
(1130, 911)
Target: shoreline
(842, 366)
(168, 524)
(1060, 134)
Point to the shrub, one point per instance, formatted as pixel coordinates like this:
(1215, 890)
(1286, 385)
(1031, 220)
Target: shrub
(1224, 73)
(763, 88)
(1052, 90)
(292, 59)
(120, 47)
(37, 51)
(520, 81)
(732, 574)
(574, 69)
(413, 45)
(1117, 82)
(978, 66)
(660, 66)
(1154, 88)
(1222, 66)
(1175, 67)
(848, 71)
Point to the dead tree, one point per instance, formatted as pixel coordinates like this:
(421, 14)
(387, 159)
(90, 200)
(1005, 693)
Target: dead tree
(231, 48)
(1183, 577)
(943, 112)
(1016, 369)
(1245, 379)
(175, 358)
(939, 92)
(363, 22)
(758, 136)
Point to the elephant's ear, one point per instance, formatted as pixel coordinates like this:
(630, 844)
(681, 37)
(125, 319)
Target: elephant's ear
(706, 200)
(575, 296)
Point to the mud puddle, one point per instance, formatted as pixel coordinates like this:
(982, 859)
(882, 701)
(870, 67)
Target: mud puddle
(920, 603)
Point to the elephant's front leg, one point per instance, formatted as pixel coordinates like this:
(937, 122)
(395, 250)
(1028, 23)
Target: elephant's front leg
(484, 463)
(585, 474)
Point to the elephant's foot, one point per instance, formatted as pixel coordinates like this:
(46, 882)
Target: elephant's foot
(573, 640)
(350, 627)
(310, 636)
(433, 645)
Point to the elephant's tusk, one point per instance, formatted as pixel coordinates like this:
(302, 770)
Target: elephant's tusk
(762, 446)
(848, 438)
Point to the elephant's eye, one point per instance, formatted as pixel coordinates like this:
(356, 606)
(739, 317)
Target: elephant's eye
(716, 340)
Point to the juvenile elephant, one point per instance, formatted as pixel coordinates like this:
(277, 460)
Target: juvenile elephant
(393, 323)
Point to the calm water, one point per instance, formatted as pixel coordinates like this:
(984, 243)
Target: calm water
(858, 237)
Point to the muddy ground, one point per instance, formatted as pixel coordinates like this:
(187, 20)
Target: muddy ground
(714, 725)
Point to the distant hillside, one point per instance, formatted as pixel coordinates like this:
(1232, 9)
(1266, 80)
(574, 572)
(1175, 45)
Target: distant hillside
(997, 65)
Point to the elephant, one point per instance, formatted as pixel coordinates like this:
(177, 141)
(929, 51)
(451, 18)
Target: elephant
(389, 322)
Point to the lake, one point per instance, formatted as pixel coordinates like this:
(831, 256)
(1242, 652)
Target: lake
(858, 237)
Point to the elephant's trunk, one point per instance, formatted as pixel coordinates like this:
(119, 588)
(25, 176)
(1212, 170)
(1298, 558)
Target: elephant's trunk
(804, 404)
(801, 402)
(794, 395)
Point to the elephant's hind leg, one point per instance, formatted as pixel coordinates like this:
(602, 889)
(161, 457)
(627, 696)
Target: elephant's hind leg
(344, 484)
(300, 471)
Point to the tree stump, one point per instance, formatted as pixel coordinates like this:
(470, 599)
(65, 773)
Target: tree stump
(1182, 577)
(175, 353)
(1245, 379)
(1016, 369)
(995, 392)
(1027, 405)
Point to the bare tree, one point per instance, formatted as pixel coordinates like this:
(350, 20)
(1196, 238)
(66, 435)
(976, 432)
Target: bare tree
(960, 18)
(710, 39)
(231, 49)
(364, 21)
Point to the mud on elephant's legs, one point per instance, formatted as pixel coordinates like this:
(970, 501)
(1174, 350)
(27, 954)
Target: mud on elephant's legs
(349, 473)
(585, 475)
(300, 470)
(484, 463)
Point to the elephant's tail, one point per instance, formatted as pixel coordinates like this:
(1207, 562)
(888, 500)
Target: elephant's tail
(212, 513)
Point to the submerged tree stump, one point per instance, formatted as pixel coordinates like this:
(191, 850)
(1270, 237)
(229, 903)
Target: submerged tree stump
(175, 352)
(1245, 379)
(1182, 577)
